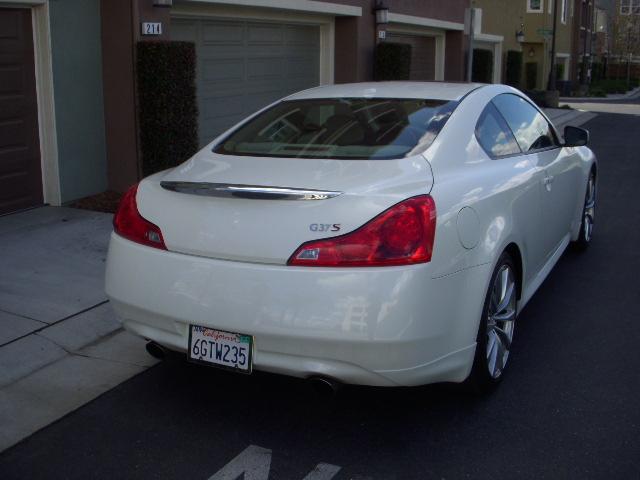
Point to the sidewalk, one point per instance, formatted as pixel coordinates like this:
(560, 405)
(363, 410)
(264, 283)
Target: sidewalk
(60, 343)
(612, 96)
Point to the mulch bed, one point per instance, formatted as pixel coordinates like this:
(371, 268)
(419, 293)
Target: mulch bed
(103, 202)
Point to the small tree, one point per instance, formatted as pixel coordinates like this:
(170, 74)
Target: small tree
(167, 106)
(482, 70)
(392, 61)
(531, 72)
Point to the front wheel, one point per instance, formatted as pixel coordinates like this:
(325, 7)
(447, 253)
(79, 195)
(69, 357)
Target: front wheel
(495, 333)
(588, 215)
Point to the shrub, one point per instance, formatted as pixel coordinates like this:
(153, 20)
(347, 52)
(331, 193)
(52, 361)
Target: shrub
(597, 71)
(392, 61)
(613, 85)
(544, 98)
(513, 72)
(482, 70)
(167, 108)
(531, 72)
(559, 71)
(597, 92)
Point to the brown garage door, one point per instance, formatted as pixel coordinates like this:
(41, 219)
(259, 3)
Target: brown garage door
(423, 55)
(20, 175)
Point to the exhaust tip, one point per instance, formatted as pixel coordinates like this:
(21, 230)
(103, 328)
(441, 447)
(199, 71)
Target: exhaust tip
(324, 387)
(156, 350)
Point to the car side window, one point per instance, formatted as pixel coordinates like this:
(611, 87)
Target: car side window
(531, 129)
(494, 135)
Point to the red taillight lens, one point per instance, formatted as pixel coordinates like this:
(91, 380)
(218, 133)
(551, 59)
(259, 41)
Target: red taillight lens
(401, 235)
(131, 225)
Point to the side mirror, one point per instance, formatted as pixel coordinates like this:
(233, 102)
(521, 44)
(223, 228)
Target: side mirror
(575, 137)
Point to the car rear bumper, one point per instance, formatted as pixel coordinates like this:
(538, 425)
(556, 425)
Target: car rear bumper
(375, 326)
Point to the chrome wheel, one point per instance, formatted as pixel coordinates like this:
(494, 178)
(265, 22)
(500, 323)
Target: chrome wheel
(589, 209)
(501, 315)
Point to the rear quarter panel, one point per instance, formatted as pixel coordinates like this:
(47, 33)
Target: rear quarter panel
(503, 193)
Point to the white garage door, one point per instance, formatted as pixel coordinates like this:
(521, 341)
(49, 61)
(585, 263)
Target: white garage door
(245, 65)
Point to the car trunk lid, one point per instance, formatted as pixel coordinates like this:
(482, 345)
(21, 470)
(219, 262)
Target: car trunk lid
(258, 209)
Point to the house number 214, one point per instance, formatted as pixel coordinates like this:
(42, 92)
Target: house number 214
(152, 28)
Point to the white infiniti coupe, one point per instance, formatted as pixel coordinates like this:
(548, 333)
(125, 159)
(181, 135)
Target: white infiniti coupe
(376, 233)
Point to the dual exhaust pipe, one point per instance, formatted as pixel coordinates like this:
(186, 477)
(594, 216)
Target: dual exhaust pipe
(156, 350)
(323, 386)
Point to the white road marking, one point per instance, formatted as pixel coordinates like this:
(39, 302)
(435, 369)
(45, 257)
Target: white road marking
(324, 471)
(255, 463)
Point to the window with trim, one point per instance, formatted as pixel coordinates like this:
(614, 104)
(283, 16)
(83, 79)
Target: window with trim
(494, 135)
(535, 6)
(564, 10)
(629, 7)
(532, 131)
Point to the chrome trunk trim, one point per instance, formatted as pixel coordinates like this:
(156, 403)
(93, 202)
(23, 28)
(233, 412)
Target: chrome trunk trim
(255, 192)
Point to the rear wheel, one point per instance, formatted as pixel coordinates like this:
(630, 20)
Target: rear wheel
(588, 215)
(495, 334)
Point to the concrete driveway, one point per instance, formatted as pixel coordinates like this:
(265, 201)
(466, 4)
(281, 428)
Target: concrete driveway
(60, 343)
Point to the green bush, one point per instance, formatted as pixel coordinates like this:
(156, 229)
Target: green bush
(544, 98)
(559, 71)
(597, 70)
(392, 61)
(597, 92)
(482, 70)
(167, 108)
(531, 72)
(613, 85)
(513, 72)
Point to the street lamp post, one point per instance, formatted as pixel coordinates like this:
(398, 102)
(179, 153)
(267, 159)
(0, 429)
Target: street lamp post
(551, 85)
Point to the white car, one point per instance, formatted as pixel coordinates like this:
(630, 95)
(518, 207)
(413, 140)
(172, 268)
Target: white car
(377, 233)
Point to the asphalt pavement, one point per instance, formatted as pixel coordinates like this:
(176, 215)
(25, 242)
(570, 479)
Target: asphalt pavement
(568, 406)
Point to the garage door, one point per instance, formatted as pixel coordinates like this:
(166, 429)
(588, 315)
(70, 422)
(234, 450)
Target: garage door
(423, 55)
(245, 65)
(20, 177)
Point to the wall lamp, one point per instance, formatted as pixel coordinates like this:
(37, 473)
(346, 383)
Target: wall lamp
(520, 36)
(382, 12)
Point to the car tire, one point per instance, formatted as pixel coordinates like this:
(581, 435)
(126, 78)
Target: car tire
(495, 333)
(588, 215)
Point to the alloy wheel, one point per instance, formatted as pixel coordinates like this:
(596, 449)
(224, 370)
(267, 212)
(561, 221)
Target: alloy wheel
(589, 209)
(501, 315)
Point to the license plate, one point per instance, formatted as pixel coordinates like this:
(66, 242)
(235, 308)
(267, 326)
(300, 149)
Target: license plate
(221, 349)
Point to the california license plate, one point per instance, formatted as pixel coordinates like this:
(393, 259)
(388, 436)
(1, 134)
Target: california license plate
(221, 349)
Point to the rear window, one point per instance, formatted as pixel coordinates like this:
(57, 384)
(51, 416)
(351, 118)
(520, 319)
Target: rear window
(341, 128)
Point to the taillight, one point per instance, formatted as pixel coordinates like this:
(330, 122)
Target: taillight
(131, 225)
(401, 235)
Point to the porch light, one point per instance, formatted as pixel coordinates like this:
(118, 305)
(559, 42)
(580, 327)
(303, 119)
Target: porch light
(520, 36)
(382, 12)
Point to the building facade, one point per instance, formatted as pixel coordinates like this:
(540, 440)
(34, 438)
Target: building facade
(68, 125)
(582, 43)
(527, 26)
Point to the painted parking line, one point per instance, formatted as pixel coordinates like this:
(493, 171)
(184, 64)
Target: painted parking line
(255, 464)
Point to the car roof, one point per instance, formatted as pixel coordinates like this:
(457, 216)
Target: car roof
(426, 90)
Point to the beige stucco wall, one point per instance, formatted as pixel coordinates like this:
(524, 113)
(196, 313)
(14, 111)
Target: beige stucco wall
(506, 17)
